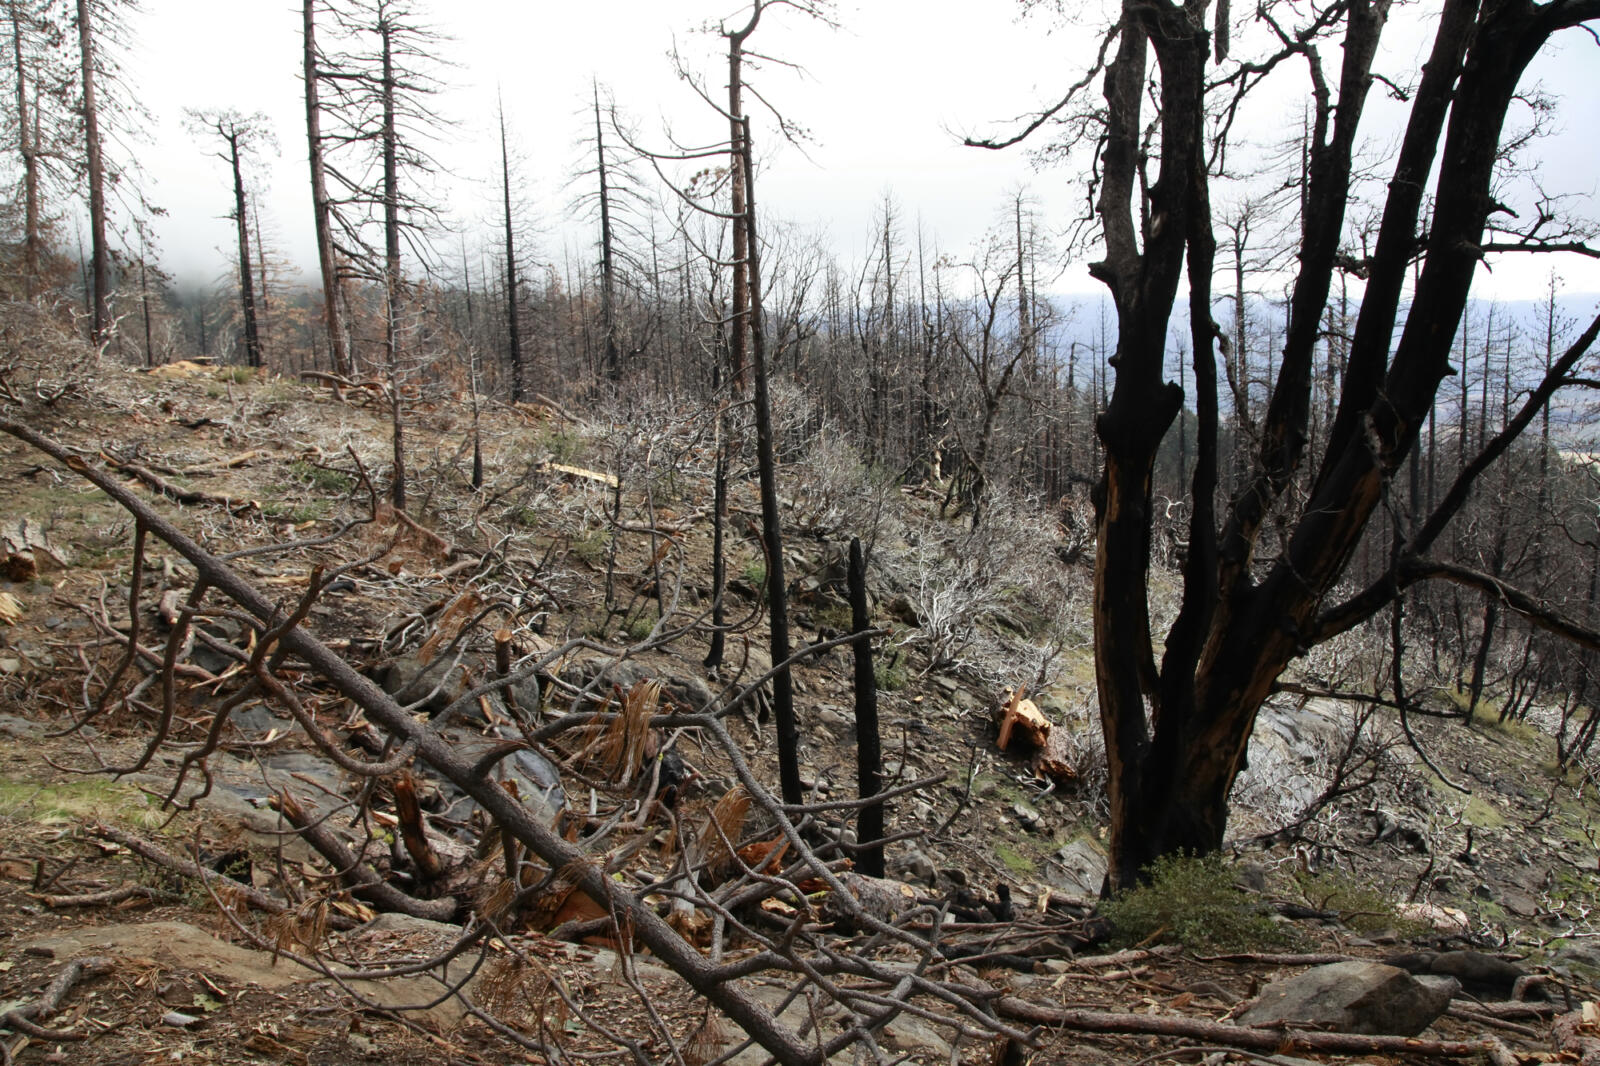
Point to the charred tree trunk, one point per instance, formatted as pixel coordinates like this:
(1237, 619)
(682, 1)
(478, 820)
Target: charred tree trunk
(264, 319)
(28, 148)
(391, 267)
(144, 304)
(869, 754)
(321, 210)
(247, 295)
(739, 315)
(513, 329)
(1176, 735)
(788, 729)
(719, 560)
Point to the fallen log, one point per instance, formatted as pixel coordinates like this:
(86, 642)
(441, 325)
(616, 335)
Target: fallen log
(740, 1005)
(177, 493)
(190, 869)
(1274, 1041)
(1576, 1036)
(108, 898)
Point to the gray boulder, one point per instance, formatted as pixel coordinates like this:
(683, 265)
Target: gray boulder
(1579, 953)
(684, 687)
(1480, 974)
(538, 780)
(1369, 998)
(436, 683)
(1078, 868)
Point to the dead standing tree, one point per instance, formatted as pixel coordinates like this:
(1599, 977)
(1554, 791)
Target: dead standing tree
(1177, 731)
(620, 205)
(379, 122)
(95, 172)
(38, 125)
(314, 70)
(745, 321)
(513, 305)
(994, 355)
(242, 136)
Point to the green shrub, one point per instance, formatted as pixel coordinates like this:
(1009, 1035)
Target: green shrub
(834, 617)
(1193, 902)
(314, 511)
(590, 549)
(890, 675)
(321, 478)
(1015, 861)
(563, 444)
(754, 574)
(639, 627)
(1360, 906)
(1517, 730)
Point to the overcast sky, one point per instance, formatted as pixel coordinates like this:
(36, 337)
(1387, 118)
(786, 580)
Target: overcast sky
(886, 96)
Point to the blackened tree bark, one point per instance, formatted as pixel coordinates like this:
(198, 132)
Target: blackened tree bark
(1177, 732)
(241, 136)
(28, 149)
(513, 327)
(787, 726)
(241, 217)
(739, 315)
(389, 141)
(869, 753)
(144, 298)
(719, 557)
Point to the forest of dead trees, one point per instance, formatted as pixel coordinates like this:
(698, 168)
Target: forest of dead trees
(959, 368)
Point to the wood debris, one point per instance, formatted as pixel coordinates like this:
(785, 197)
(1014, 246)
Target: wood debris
(28, 551)
(1021, 717)
(578, 472)
(1024, 727)
(883, 899)
(452, 620)
(1056, 759)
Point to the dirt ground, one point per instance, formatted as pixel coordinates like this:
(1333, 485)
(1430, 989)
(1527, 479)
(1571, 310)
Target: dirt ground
(195, 978)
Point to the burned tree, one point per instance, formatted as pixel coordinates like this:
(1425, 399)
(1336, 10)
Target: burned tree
(242, 136)
(1177, 730)
(513, 324)
(95, 172)
(313, 72)
(378, 118)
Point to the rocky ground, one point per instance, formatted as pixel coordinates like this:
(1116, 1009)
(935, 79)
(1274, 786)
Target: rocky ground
(549, 551)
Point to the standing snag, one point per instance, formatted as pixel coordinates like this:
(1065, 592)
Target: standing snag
(1260, 568)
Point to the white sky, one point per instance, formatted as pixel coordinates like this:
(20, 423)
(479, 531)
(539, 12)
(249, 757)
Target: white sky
(886, 96)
